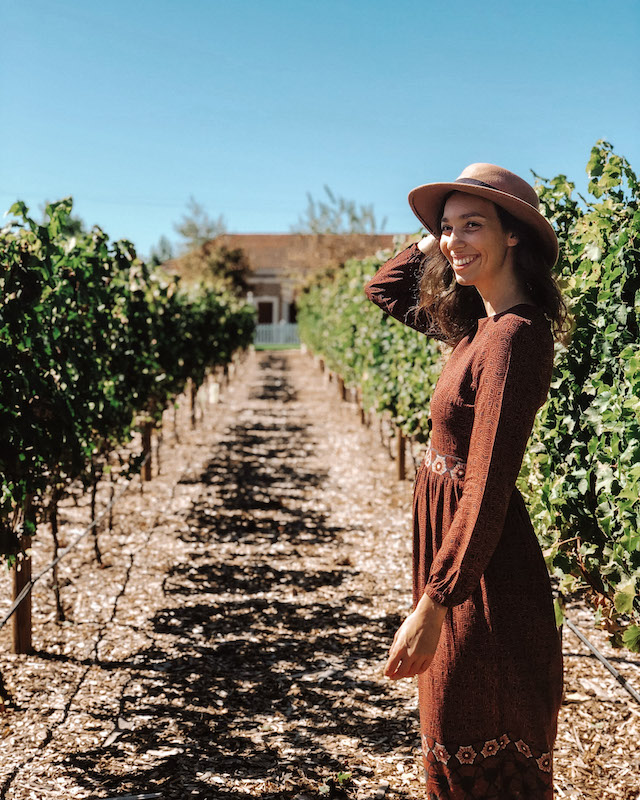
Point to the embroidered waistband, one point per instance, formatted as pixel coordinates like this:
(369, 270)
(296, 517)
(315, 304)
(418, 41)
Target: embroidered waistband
(443, 464)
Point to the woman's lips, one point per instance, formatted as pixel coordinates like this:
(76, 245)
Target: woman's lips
(460, 262)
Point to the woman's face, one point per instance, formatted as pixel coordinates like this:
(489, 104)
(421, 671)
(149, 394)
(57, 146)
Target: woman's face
(474, 243)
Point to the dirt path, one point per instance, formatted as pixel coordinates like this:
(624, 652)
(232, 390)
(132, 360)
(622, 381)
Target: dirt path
(232, 647)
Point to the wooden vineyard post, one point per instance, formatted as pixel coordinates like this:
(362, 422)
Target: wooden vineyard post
(363, 413)
(21, 577)
(112, 491)
(341, 388)
(53, 520)
(92, 514)
(146, 450)
(194, 396)
(159, 440)
(400, 454)
(321, 364)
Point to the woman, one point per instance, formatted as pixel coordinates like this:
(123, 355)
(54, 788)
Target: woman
(482, 637)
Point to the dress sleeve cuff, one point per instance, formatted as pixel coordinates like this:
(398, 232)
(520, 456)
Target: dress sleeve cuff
(438, 596)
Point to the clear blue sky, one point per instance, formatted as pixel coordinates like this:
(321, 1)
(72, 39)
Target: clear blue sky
(133, 105)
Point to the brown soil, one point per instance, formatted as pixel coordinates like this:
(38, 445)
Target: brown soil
(232, 644)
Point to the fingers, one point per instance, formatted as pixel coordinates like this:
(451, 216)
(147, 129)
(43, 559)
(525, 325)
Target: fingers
(404, 670)
(397, 653)
(407, 656)
(428, 242)
(399, 667)
(400, 663)
(393, 662)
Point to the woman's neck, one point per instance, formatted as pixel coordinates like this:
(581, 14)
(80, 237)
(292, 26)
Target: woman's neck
(502, 292)
(498, 305)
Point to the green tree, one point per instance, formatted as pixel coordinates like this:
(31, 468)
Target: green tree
(227, 267)
(337, 215)
(218, 267)
(161, 252)
(197, 227)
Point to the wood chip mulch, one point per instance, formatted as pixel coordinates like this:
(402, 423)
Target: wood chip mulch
(232, 644)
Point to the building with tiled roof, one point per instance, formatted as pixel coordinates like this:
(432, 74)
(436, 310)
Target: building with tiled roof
(280, 263)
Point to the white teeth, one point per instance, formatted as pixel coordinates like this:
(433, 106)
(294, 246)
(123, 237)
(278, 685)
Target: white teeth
(460, 262)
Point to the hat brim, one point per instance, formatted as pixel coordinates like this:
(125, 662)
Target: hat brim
(426, 203)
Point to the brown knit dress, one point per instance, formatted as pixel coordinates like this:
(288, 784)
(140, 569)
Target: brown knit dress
(489, 701)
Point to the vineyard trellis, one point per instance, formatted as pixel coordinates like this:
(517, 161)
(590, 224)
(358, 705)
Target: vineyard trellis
(581, 475)
(95, 345)
(95, 521)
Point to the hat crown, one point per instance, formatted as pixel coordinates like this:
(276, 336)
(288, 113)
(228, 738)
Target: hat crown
(501, 179)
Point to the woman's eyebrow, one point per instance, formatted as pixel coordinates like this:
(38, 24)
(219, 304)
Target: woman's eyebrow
(466, 216)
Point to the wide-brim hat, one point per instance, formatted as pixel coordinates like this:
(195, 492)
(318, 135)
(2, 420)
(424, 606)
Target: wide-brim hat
(504, 188)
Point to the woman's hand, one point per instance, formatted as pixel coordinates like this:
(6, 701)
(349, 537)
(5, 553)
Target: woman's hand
(429, 242)
(415, 642)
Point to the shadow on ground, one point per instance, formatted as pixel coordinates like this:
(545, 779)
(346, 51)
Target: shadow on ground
(262, 681)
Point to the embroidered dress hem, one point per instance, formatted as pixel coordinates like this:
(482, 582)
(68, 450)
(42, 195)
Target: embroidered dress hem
(499, 768)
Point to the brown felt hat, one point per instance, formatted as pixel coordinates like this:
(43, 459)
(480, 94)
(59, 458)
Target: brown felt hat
(504, 188)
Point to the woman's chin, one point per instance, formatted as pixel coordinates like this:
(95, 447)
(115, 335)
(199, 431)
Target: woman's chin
(463, 280)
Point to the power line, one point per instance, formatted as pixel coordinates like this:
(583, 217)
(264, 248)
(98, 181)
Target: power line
(131, 203)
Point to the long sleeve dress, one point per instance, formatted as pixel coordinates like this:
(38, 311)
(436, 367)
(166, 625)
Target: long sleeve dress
(489, 701)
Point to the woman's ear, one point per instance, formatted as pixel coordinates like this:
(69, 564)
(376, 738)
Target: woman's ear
(512, 240)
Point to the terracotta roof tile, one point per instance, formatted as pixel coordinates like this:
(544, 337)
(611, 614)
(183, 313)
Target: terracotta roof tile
(278, 251)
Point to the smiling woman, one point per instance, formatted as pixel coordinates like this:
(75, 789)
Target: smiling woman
(532, 250)
(482, 637)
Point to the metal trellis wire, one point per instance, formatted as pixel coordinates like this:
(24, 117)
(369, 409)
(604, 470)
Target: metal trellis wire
(29, 586)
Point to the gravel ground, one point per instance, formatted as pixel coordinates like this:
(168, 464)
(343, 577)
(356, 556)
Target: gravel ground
(231, 646)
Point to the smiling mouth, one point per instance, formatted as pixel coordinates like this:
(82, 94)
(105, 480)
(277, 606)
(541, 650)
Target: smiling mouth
(462, 261)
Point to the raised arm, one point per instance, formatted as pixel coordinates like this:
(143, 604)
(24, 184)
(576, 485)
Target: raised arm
(395, 288)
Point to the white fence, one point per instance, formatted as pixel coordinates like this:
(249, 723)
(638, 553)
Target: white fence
(278, 333)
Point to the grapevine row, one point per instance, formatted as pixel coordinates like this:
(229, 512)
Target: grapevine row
(94, 345)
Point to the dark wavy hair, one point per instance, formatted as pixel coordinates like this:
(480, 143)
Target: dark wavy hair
(456, 309)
